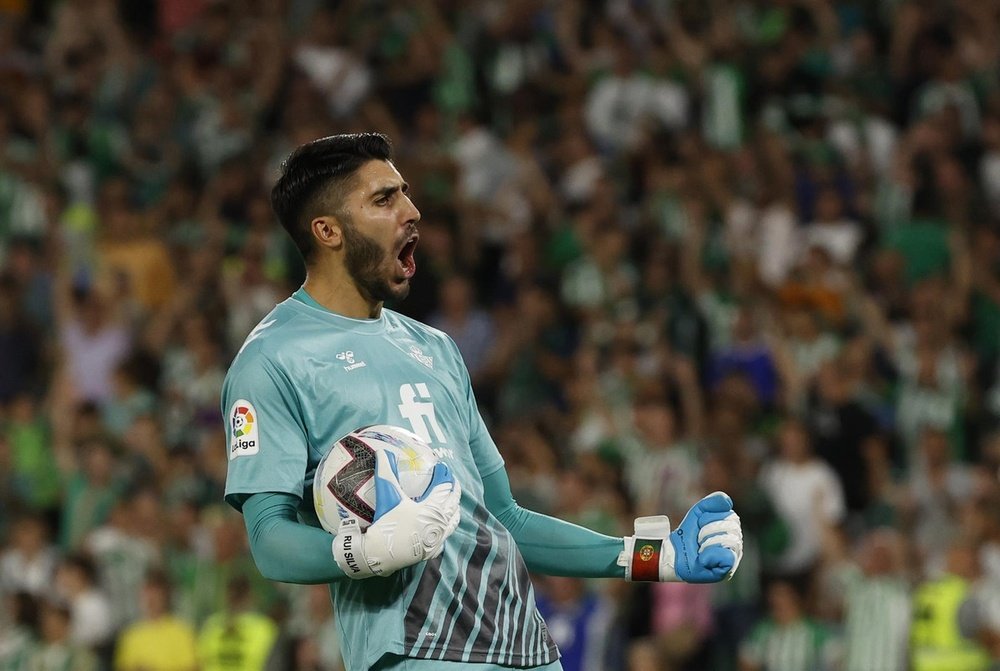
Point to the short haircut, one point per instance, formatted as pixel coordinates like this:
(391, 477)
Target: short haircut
(313, 177)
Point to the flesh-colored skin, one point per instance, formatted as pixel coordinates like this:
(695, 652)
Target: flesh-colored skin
(380, 209)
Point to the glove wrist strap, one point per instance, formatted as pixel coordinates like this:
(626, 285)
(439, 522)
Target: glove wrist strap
(349, 552)
(649, 555)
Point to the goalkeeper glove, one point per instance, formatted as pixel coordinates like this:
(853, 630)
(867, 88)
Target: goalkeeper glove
(706, 547)
(403, 531)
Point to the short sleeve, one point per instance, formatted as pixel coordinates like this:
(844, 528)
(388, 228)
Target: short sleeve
(265, 433)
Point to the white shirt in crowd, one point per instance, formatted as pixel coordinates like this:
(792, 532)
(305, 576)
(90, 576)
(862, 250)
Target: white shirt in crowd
(778, 243)
(91, 620)
(808, 497)
(93, 357)
(840, 239)
(20, 573)
(619, 109)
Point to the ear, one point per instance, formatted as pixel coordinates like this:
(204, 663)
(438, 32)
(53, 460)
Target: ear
(327, 232)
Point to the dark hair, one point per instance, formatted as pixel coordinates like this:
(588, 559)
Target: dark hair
(25, 609)
(311, 170)
(84, 564)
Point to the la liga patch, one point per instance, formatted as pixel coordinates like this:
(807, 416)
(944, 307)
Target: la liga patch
(243, 440)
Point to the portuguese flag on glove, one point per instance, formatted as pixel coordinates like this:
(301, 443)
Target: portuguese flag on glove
(706, 547)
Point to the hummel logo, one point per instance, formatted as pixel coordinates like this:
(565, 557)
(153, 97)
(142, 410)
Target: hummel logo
(348, 356)
(417, 354)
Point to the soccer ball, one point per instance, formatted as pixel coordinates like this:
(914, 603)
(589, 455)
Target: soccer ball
(344, 483)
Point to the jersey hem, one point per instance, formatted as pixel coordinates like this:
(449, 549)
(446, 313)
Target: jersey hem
(516, 661)
(519, 663)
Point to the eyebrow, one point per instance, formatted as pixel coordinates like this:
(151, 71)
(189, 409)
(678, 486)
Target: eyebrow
(386, 191)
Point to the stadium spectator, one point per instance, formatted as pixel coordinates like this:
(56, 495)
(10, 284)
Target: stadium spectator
(19, 343)
(37, 482)
(876, 605)
(311, 633)
(18, 636)
(29, 563)
(682, 622)
(92, 624)
(580, 621)
(469, 326)
(57, 649)
(123, 556)
(662, 469)
(841, 429)
(807, 496)
(156, 641)
(936, 638)
(93, 339)
(787, 639)
(90, 493)
(236, 637)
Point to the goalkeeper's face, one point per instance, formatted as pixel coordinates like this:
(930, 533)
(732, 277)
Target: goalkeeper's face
(379, 226)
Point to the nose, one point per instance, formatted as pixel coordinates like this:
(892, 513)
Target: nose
(412, 213)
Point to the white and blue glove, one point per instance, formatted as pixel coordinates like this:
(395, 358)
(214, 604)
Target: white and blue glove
(706, 547)
(403, 531)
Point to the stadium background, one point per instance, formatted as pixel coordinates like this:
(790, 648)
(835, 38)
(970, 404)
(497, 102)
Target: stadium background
(682, 245)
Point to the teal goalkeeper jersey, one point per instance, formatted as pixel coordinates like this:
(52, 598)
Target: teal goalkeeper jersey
(304, 378)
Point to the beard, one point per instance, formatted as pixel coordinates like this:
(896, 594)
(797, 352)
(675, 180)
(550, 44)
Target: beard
(366, 264)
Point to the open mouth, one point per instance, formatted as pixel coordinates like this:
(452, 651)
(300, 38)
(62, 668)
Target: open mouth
(405, 259)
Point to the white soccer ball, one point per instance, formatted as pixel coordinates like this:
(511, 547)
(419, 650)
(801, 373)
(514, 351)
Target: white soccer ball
(344, 483)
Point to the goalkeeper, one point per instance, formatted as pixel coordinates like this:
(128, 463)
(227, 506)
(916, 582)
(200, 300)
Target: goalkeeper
(439, 583)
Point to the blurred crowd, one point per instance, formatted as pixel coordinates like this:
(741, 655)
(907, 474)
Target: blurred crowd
(683, 245)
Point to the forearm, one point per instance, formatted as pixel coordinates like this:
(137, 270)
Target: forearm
(273, 529)
(555, 547)
(552, 546)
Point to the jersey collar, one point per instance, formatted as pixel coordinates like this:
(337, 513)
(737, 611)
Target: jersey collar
(376, 325)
